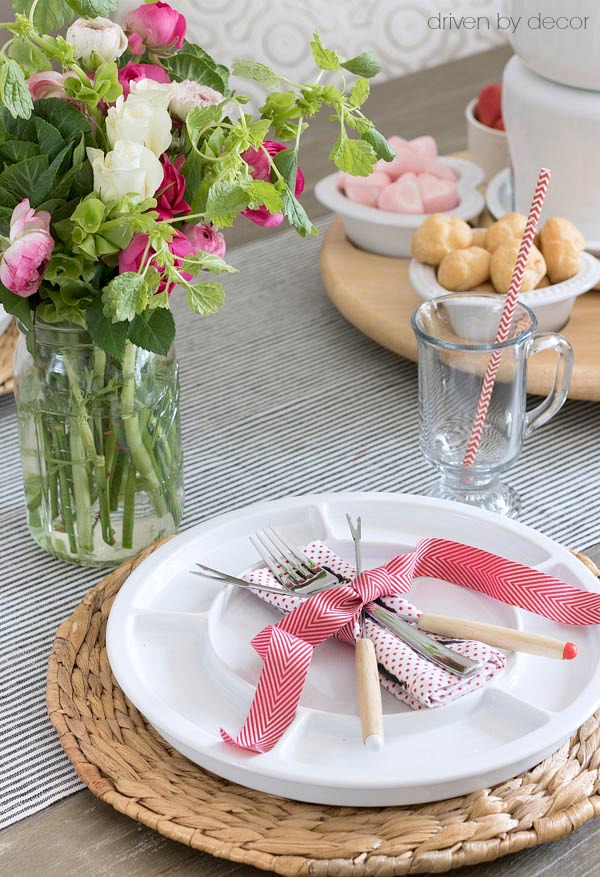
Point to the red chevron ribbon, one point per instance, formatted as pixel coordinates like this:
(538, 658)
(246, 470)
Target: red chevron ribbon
(286, 648)
(507, 315)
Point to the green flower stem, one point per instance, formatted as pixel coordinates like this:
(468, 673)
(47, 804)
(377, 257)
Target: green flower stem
(87, 438)
(51, 472)
(63, 487)
(129, 506)
(116, 478)
(139, 454)
(81, 490)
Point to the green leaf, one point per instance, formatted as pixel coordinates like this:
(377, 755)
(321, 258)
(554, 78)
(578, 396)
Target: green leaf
(67, 119)
(326, 59)
(49, 138)
(16, 306)
(89, 214)
(359, 92)
(296, 214)
(354, 156)
(93, 8)
(265, 193)
(192, 171)
(16, 150)
(201, 118)
(31, 59)
(220, 69)
(124, 297)
(261, 73)
(49, 14)
(14, 91)
(365, 64)
(153, 330)
(205, 298)
(207, 261)
(286, 162)
(110, 337)
(187, 66)
(21, 179)
(223, 199)
(379, 143)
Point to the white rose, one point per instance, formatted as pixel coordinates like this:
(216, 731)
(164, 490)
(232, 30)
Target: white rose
(100, 35)
(189, 94)
(136, 119)
(157, 93)
(129, 169)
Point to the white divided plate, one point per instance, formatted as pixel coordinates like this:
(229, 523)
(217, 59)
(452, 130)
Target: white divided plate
(499, 198)
(180, 649)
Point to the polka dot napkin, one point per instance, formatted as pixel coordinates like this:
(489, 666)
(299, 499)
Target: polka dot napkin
(405, 674)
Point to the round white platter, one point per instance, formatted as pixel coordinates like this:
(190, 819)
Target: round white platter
(500, 199)
(180, 649)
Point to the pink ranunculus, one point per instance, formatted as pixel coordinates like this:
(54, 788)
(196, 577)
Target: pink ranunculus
(130, 259)
(47, 84)
(156, 27)
(205, 237)
(134, 72)
(170, 195)
(260, 168)
(31, 244)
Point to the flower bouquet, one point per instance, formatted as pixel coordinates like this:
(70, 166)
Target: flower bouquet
(123, 150)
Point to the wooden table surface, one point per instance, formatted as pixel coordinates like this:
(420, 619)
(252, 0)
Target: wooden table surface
(82, 836)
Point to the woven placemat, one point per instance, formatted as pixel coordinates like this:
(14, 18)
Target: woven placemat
(8, 342)
(125, 763)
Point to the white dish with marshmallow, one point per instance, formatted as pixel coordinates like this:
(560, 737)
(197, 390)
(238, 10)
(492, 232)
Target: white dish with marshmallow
(381, 212)
(552, 305)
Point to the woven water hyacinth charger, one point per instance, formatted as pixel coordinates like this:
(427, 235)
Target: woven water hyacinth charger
(125, 763)
(8, 342)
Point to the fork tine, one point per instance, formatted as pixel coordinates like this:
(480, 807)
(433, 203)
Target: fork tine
(276, 571)
(295, 572)
(299, 555)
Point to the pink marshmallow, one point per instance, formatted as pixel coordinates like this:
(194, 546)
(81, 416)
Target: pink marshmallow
(407, 160)
(437, 195)
(366, 190)
(403, 196)
(439, 169)
(425, 146)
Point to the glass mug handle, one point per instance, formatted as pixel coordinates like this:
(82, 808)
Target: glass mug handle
(553, 402)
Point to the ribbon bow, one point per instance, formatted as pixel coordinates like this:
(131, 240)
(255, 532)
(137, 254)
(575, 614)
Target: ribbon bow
(286, 648)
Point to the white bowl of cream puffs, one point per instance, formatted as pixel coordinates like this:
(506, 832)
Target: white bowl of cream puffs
(449, 256)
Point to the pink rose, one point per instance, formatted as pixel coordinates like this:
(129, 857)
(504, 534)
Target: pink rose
(204, 237)
(130, 259)
(134, 72)
(170, 195)
(24, 262)
(156, 27)
(260, 168)
(47, 84)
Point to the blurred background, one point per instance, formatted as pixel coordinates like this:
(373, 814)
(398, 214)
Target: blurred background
(278, 32)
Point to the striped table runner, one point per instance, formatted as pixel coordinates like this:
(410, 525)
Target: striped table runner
(252, 376)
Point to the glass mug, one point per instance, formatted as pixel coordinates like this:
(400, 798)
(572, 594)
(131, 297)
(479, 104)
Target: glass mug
(455, 335)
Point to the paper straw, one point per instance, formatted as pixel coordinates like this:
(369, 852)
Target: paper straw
(507, 315)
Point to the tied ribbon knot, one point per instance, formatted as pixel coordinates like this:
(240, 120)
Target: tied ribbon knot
(286, 648)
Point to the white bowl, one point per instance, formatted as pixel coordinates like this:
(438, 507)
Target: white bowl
(565, 52)
(390, 234)
(551, 305)
(551, 125)
(487, 146)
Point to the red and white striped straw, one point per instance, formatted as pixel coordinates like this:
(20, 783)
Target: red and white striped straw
(507, 315)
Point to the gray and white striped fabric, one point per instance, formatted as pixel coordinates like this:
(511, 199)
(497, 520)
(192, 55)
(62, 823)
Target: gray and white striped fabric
(252, 379)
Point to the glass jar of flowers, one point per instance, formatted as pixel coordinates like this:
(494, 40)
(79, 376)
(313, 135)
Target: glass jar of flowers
(123, 150)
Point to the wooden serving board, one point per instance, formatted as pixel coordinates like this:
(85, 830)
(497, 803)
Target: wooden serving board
(375, 295)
